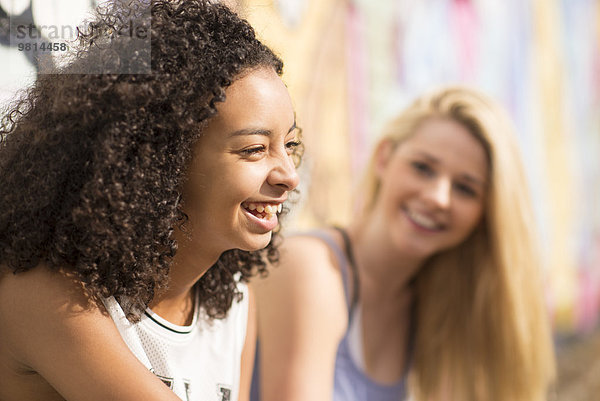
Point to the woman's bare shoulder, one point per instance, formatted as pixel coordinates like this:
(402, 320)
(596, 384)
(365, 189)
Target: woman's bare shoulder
(306, 280)
(51, 328)
(35, 300)
(308, 248)
(32, 303)
(41, 290)
(301, 319)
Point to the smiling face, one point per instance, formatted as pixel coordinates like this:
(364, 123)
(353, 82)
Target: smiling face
(433, 187)
(243, 166)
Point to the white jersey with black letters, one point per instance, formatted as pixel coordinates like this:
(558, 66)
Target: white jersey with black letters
(200, 362)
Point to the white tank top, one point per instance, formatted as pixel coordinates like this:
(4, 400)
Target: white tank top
(200, 362)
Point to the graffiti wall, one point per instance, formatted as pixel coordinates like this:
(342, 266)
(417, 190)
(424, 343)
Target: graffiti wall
(353, 63)
(350, 64)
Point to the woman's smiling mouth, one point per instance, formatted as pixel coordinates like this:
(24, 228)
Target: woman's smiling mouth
(263, 214)
(422, 221)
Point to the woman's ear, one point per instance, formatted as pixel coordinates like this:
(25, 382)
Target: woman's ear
(383, 153)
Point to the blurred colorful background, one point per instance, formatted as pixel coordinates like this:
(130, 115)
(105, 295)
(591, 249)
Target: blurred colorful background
(351, 64)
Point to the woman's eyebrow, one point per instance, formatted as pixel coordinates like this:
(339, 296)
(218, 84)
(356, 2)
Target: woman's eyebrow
(474, 180)
(258, 131)
(431, 158)
(251, 131)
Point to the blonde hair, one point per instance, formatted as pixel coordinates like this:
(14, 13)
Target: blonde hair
(482, 330)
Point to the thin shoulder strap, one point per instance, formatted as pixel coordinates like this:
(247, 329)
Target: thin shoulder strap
(352, 265)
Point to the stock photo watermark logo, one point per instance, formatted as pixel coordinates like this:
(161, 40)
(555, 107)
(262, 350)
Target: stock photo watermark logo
(122, 48)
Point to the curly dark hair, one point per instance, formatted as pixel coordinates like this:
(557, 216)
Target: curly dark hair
(91, 164)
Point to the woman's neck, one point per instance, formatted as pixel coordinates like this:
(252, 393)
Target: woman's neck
(385, 271)
(386, 299)
(190, 263)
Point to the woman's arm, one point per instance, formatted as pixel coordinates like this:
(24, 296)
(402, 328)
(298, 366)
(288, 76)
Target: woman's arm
(50, 327)
(301, 319)
(247, 364)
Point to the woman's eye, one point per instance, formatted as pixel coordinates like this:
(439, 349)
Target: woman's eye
(466, 190)
(422, 168)
(292, 145)
(252, 150)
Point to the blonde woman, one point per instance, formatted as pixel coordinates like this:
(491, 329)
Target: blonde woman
(433, 290)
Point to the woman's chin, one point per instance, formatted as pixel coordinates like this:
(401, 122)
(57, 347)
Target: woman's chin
(257, 242)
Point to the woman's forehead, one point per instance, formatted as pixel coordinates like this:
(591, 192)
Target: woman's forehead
(256, 100)
(447, 142)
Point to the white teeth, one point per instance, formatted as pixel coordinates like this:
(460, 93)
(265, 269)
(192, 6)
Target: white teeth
(423, 220)
(268, 209)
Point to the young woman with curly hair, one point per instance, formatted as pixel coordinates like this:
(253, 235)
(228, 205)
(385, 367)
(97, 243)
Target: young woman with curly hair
(136, 204)
(433, 292)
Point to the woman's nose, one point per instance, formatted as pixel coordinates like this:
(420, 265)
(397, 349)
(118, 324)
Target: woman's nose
(440, 193)
(284, 173)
